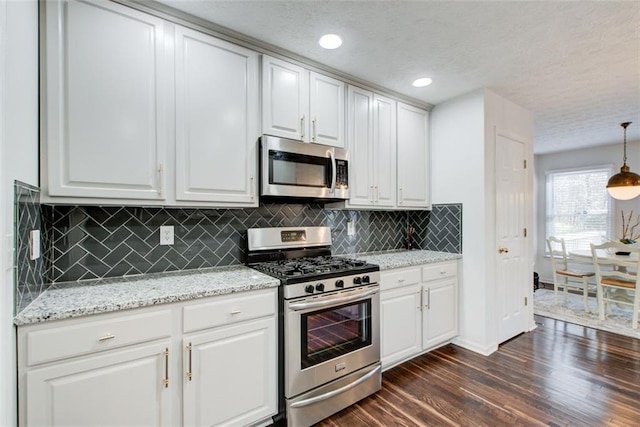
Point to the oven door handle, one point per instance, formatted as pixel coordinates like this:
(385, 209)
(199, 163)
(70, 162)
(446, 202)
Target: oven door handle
(297, 306)
(336, 392)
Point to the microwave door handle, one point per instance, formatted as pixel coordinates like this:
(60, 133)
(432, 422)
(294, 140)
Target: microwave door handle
(334, 171)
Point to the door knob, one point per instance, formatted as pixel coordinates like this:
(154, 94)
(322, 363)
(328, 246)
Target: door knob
(503, 250)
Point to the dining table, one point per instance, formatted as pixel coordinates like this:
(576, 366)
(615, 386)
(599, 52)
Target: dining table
(584, 256)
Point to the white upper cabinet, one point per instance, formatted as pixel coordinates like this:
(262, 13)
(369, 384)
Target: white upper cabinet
(104, 103)
(217, 114)
(285, 99)
(372, 148)
(127, 93)
(360, 145)
(299, 104)
(326, 110)
(384, 146)
(413, 158)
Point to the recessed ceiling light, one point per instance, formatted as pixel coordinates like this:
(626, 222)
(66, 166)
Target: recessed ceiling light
(330, 41)
(422, 82)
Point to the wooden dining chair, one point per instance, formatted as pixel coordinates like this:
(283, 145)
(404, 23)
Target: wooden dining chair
(563, 276)
(617, 277)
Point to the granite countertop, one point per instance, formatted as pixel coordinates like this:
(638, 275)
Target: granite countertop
(405, 258)
(66, 300)
(75, 299)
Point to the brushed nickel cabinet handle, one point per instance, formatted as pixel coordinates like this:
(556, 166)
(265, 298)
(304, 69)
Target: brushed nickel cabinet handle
(190, 370)
(106, 337)
(165, 381)
(236, 311)
(314, 135)
(160, 179)
(302, 127)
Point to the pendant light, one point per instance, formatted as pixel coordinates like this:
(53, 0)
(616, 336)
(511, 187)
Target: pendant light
(624, 185)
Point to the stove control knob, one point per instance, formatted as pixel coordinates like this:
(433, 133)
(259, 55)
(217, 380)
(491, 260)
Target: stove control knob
(320, 287)
(309, 289)
(357, 280)
(339, 283)
(365, 279)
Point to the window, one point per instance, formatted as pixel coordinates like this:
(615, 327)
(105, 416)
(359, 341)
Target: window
(579, 209)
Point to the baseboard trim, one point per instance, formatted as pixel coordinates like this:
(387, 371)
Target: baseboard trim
(484, 350)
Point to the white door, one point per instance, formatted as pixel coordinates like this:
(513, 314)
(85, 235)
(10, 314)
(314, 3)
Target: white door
(384, 143)
(285, 99)
(413, 157)
(106, 96)
(360, 145)
(326, 110)
(512, 278)
(233, 371)
(216, 120)
(400, 324)
(122, 388)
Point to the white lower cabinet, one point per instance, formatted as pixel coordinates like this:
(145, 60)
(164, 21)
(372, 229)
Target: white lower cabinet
(125, 387)
(206, 362)
(232, 375)
(401, 324)
(419, 310)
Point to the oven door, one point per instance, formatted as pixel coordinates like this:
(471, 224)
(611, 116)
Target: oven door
(295, 169)
(330, 336)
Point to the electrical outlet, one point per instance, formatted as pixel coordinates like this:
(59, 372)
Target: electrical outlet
(351, 228)
(166, 235)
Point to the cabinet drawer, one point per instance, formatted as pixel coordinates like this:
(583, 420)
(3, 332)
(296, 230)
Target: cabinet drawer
(439, 271)
(80, 336)
(229, 309)
(398, 278)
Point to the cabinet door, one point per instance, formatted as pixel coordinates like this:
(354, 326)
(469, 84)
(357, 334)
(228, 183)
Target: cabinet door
(400, 324)
(326, 110)
(104, 109)
(384, 142)
(413, 157)
(233, 375)
(123, 388)
(285, 99)
(216, 120)
(441, 312)
(360, 145)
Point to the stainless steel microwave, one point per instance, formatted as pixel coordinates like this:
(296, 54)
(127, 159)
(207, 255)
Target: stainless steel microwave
(290, 168)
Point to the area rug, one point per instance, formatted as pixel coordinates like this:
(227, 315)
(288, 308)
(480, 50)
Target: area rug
(572, 311)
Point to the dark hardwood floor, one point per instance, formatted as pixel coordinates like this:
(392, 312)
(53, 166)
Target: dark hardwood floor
(560, 374)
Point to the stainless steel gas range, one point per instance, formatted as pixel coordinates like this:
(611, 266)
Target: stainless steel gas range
(330, 321)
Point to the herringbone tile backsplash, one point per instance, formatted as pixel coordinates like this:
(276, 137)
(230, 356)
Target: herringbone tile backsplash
(30, 275)
(88, 242)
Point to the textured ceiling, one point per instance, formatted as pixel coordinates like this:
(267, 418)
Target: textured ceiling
(575, 64)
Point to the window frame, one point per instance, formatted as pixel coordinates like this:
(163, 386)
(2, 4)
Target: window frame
(609, 167)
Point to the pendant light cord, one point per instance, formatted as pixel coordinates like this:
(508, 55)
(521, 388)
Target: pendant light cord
(624, 159)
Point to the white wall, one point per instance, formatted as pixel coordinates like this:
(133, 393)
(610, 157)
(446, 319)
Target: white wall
(462, 144)
(583, 158)
(18, 160)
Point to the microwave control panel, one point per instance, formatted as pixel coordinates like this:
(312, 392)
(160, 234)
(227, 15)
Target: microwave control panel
(342, 174)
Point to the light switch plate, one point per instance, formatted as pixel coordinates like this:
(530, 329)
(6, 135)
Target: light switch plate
(34, 244)
(166, 235)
